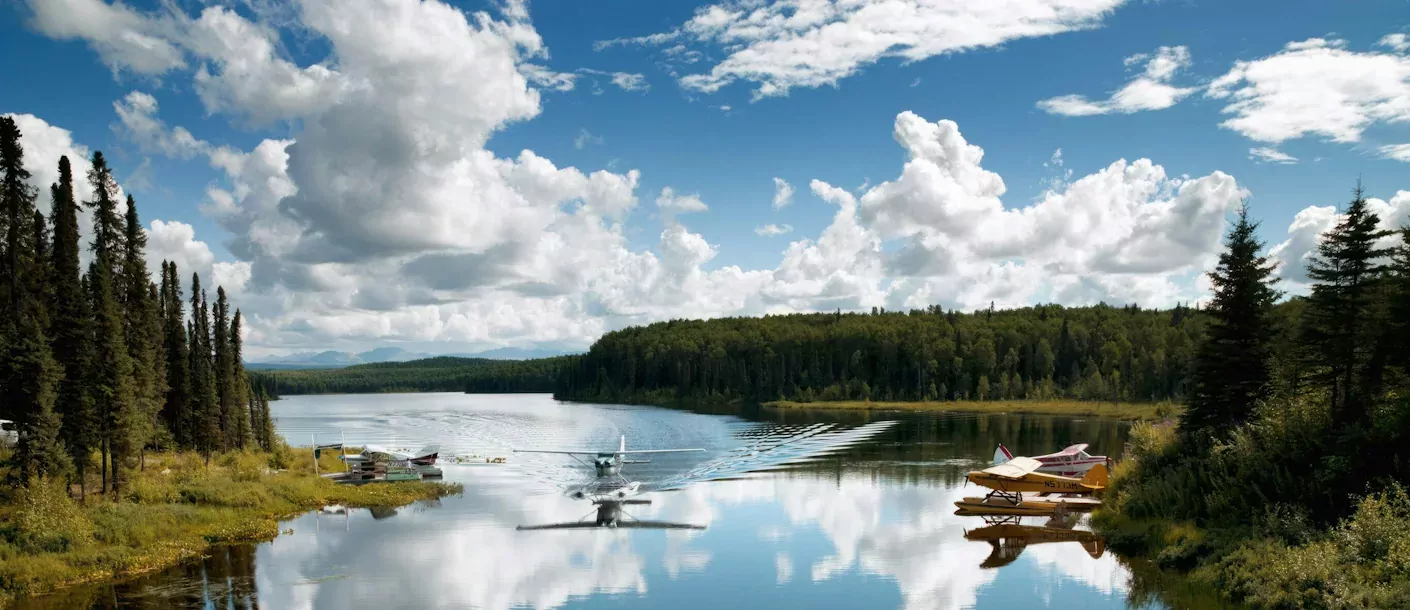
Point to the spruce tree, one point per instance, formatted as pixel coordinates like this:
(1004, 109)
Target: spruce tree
(71, 325)
(176, 411)
(205, 402)
(16, 210)
(1399, 295)
(224, 372)
(1341, 322)
(28, 372)
(265, 421)
(241, 385)
(1232, 368)
(108, 224)
(38, 280)
(141, 328)
(114, 397)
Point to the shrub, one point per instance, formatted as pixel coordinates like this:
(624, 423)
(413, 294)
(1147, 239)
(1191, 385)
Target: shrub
(47, 520)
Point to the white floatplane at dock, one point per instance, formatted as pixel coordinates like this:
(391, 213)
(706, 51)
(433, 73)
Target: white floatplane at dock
(423, 461)
(1073, 461)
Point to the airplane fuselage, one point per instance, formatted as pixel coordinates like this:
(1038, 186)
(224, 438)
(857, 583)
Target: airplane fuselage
(607, 465)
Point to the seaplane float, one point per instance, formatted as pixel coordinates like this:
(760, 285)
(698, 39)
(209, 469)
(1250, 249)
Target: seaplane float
(610, 489)
(1018, 488)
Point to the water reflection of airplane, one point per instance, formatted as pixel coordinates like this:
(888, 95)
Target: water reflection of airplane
(610, 484)
(609, 514)
(1009, 537)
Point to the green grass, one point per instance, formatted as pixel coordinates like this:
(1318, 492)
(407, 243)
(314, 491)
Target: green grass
(175, 510)
(1124, 410)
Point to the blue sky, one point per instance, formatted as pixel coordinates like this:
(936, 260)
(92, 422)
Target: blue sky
(1337, 101)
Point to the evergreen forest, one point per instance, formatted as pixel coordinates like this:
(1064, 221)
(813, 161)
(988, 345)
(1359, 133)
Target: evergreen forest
(100, 363)
(1099, 353)
(440, 374)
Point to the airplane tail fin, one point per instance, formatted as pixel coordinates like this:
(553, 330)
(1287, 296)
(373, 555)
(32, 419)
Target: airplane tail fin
(1096, 477)
(623, 445)
(1002, 455)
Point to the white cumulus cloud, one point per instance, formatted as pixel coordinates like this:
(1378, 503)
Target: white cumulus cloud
(1315, 87)
(772, 230)
(382, 214)
(810, 43)
(1149, 90)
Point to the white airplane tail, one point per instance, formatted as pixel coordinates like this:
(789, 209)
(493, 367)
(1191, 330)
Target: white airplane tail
(623, 445)
(1002, 455)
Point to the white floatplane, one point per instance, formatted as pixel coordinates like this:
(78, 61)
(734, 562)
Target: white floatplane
(610, 485)
(423, 461)
(1074, 461)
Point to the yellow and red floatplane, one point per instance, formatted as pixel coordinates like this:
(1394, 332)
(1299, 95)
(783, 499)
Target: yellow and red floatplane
(1018, 489)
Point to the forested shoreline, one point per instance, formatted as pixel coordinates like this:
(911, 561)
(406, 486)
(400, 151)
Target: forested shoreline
(1045, 352)
(106, 363)
(440, 374)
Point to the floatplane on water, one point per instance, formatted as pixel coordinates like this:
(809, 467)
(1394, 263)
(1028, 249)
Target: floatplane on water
(610, 485)
(610, 490)
(1018, 488)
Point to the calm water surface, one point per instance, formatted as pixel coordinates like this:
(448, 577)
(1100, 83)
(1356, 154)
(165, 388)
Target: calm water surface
(871, 526)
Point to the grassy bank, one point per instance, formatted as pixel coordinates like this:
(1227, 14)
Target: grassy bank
(175, 509)
(1124, 410)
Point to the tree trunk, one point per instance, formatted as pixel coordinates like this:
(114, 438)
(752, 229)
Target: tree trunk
(103, 464)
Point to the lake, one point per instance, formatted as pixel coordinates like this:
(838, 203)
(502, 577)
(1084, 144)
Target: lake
(870, 526)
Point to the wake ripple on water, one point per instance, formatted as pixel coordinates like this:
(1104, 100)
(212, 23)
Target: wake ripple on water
(755, 448)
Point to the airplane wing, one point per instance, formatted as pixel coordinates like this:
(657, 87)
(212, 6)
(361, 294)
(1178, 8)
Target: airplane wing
(1016, 468)
(576, 525)
(634, 451)
(587, 525)
(557, 452)
(658, 525)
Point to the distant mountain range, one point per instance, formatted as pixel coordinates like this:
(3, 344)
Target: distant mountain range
(334, 359)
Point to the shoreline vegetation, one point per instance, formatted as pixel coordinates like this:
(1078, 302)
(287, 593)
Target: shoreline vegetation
(1124, 411)
(1283, 484)
(175, 509)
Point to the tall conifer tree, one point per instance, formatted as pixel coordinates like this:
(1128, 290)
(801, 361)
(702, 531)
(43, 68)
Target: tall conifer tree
(29, 376)
(72, 326)
(240, 385)
(205, 402)
(1340, 325)
(1399, 295)
(176, 412)
(141, 328)
(114, 398)
(1232, 367)
(224, 384)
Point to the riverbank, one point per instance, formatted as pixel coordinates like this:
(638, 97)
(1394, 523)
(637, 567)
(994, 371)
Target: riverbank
(176, 509)
(1125, 410)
